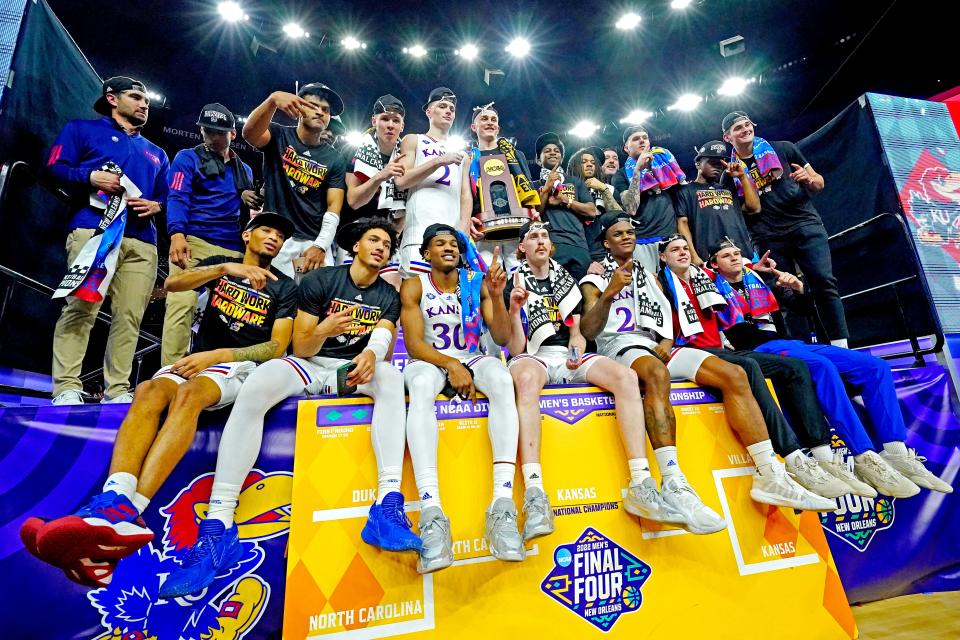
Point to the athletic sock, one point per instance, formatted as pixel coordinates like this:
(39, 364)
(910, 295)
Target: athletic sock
(140, 501)
(428, 484)
(503, 473)
(532, 475)
(388, 480)
(839, 342)
(223, 502)
(822, 452)
(668, 463)
(763, 456)
(896, 448)
(639, 470)
(122, 483)
(794, 457)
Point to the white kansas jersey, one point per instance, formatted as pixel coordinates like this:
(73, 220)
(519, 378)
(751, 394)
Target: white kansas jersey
(442, 323)
(437, 198)
(626, 313)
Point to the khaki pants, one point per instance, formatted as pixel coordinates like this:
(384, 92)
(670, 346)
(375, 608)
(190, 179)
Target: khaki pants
(129, 294)
(182, 306)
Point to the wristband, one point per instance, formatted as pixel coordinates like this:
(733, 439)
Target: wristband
(327, 230)
(379, 342)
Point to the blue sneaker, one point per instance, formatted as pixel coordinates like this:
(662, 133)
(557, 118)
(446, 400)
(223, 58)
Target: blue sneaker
(216, 550)
(388, 527)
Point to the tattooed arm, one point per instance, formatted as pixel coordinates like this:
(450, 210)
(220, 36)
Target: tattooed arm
(193, 364)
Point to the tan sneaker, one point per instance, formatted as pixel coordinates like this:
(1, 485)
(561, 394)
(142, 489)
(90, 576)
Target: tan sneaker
(911, 467)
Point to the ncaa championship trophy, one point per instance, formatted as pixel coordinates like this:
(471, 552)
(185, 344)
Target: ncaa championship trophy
(504, 192)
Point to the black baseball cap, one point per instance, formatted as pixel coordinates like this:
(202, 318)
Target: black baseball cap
(116, 84)
(325, 92)
(549, 138)
(532, 225)
(712, 149)
(217, 117)
(611, 218)
(388, 103)
(629, 131)
(734, 117)
(440, 93)
(439, 229)
(270, 219)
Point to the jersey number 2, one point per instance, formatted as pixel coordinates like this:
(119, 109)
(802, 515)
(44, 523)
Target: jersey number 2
(445, 178)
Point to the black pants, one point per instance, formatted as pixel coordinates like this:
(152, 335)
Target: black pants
(574, 259)
(808, 248)
(792, 382)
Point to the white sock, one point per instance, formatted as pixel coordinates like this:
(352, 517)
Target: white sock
(822, 452)
(763, 455)
(428, 484)
(794, 457)
(140, 501)
(223, 502)
(532, 475)
(639, 470)
(122, 483)
(896, 448)
(503, 473)
(668, 463)
(388, 481)
(839, 342)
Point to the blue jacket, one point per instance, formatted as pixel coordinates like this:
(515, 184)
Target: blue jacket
(208, 208)
(84, 146)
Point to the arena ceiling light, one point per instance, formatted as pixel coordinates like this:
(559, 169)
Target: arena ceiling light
(154, 96)
(416, 51)
(294, 31)
(584, 129)
(350, 43)
(734, 86)
(686, 102)
(468, 51)
(457, 142)
(231, 12)
(637, 116)
(354, 138)
(680, 4)
(628, 21)
(518, 47)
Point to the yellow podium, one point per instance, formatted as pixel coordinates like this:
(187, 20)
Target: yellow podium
(603, 571)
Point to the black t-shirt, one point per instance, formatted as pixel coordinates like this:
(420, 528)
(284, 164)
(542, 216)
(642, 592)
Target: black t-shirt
(656, 215)
(369, 210)
(566, 226)
(237, 315)
(328, 290)
(712, 213)
(785, 204)
(562, 336)
(296, 179)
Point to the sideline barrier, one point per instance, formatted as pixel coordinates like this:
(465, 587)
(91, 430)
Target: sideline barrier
(53, 458)
(600, 571)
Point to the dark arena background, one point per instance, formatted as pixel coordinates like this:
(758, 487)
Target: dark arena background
(868, 91)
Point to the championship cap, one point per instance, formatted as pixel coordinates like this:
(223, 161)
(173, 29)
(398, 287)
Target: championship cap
(217, 117)
(733, 118)
(325, 92)
(439, 229)
(388, 103)
(270, 219)
(712, 149)
(532, 225)
(440, 93)
(549, 138)
(611, 218)
(116, 84)
(629, 131)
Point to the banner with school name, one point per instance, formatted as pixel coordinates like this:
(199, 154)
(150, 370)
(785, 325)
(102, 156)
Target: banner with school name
(601, 572)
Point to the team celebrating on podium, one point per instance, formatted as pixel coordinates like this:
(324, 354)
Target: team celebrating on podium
(623, 276)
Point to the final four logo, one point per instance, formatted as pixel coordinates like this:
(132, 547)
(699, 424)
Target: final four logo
(859, 519)
(597, 579)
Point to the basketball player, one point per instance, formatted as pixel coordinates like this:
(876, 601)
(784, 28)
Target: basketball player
(432, 177)
(437, 339)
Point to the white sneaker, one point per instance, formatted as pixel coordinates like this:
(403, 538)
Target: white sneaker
(700, 519)
(777, 488)
(911, 467)
(123, 398)
(66, 398)
(876, 472)
(810, 476)
(843, 469)
(644, 501)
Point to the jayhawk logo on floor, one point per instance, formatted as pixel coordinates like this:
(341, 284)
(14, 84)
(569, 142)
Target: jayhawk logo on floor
(129, 606)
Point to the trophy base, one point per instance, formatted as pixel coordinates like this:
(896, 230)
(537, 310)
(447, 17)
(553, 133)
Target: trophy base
(503, 227)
